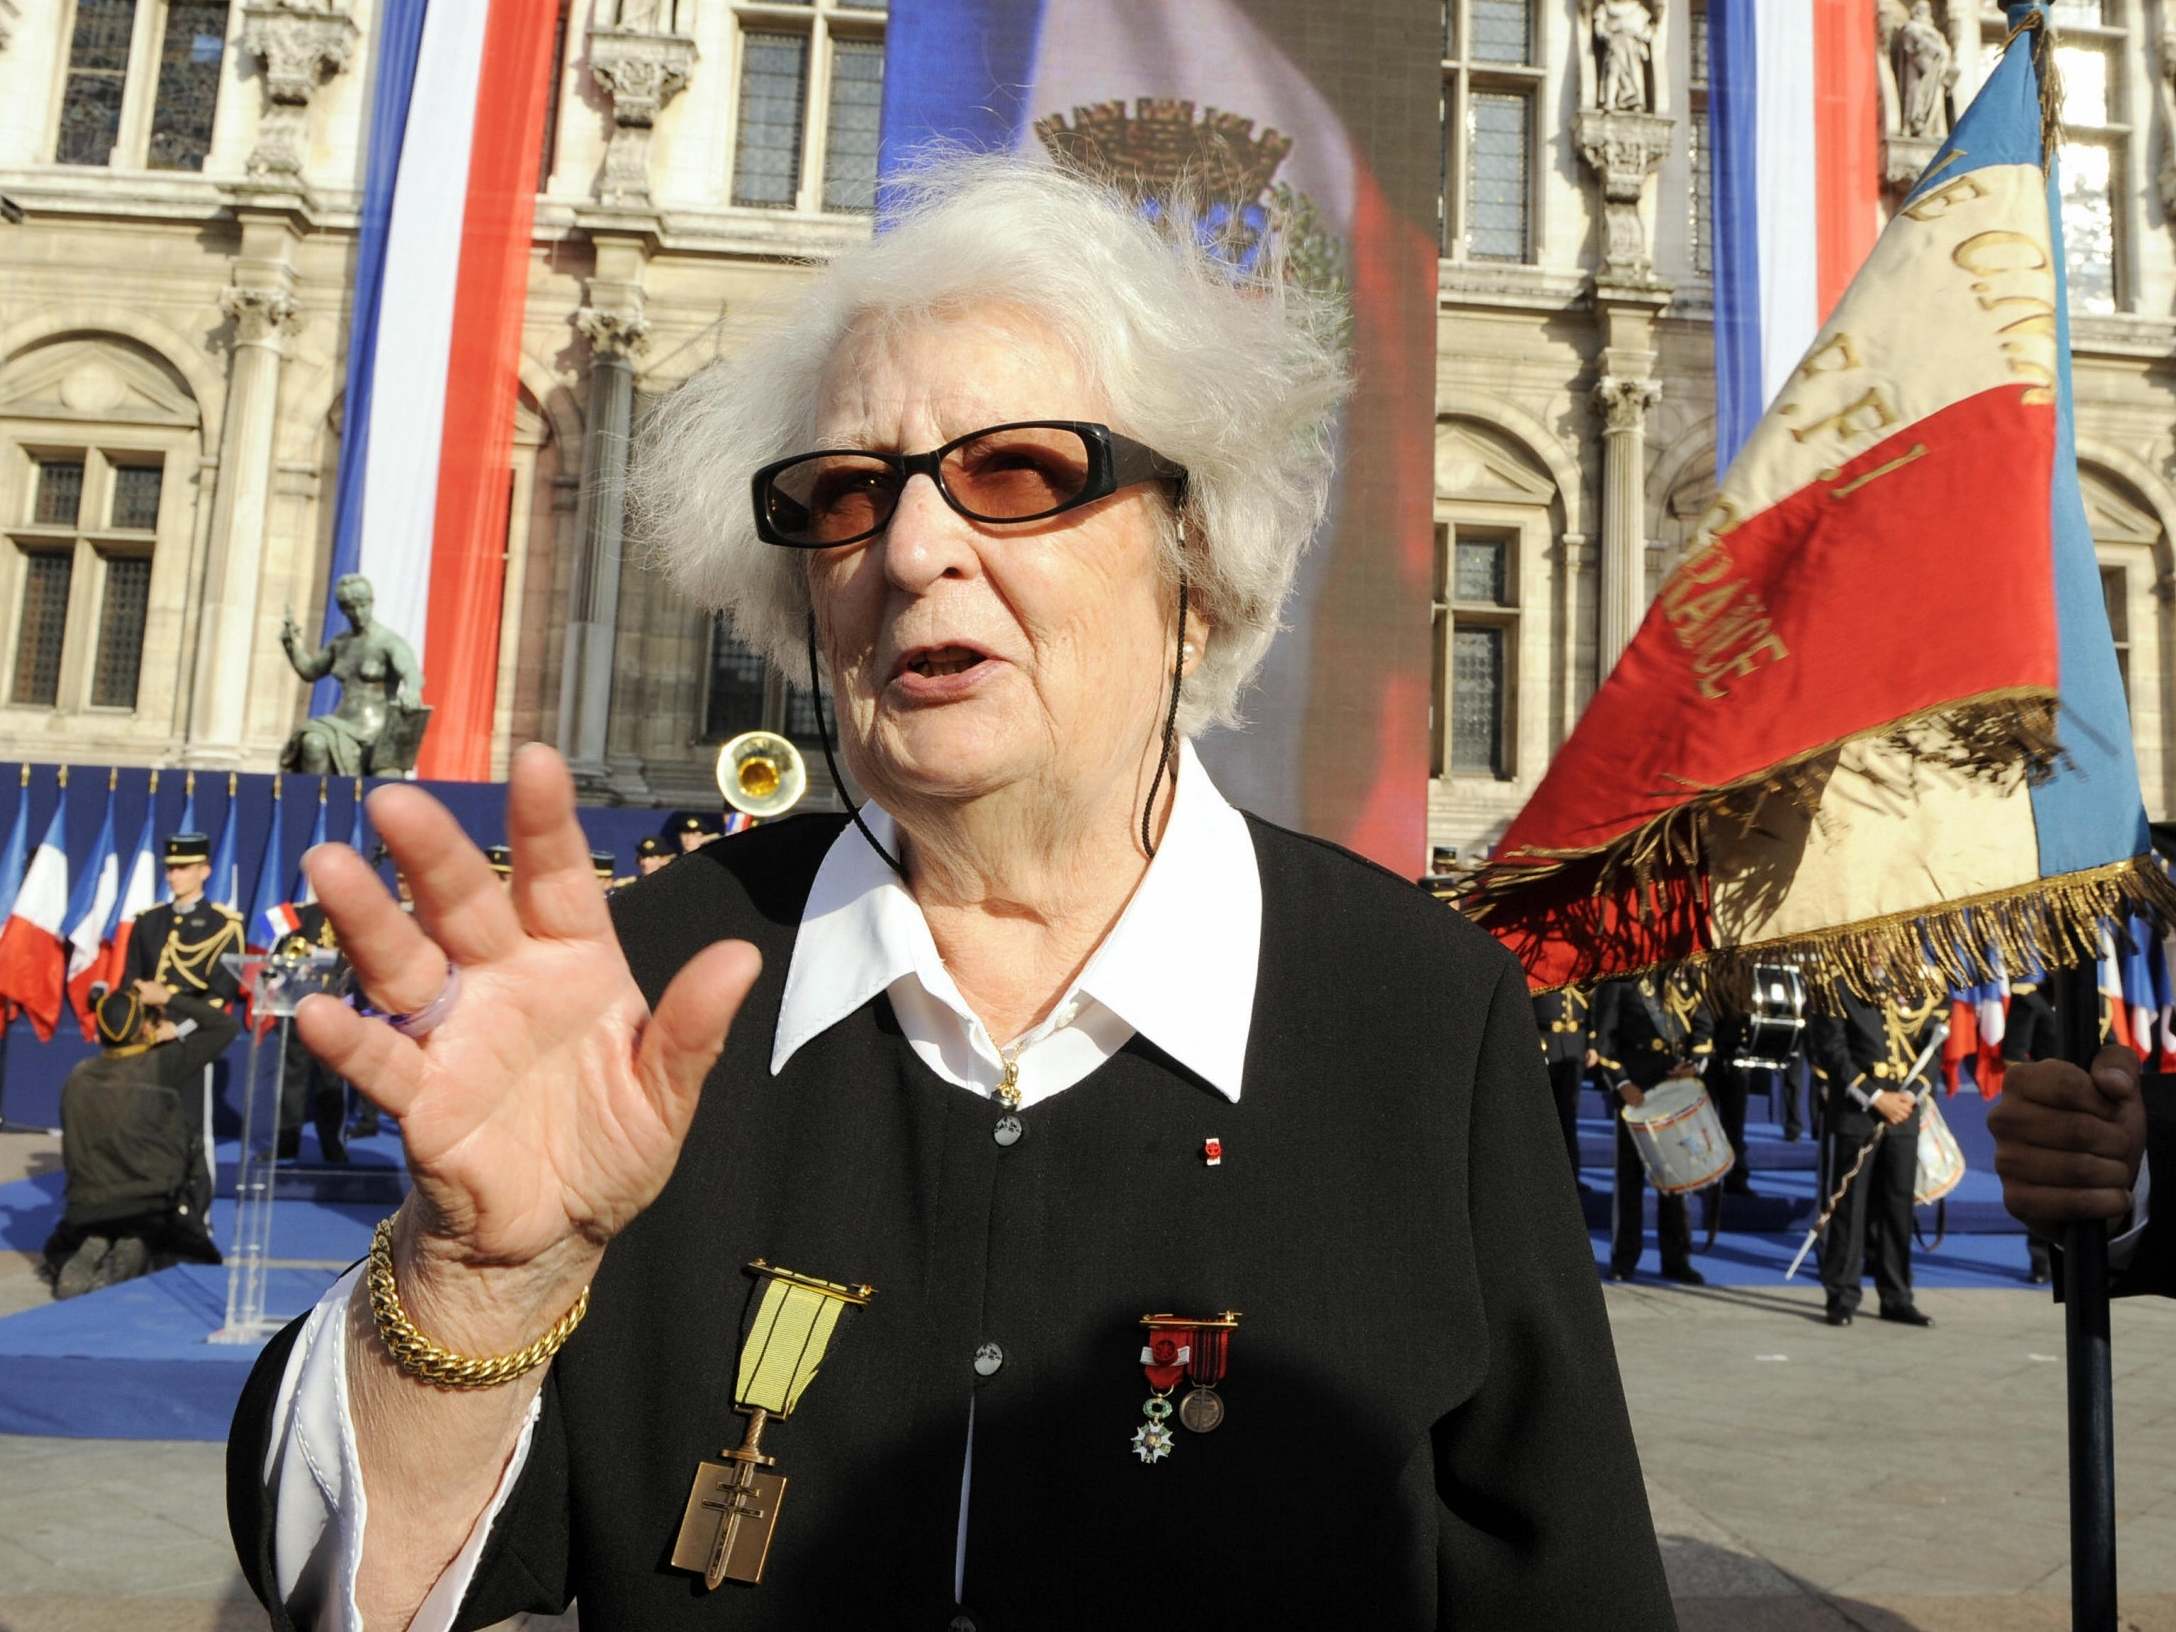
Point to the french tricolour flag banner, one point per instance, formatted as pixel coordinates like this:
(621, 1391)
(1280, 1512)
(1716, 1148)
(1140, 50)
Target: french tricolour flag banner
(1793, 120)
(1792, 758)
(1237, 105)
(98, 892)
(269, 915)
(141, 875)
(33, 945)
(442, 272)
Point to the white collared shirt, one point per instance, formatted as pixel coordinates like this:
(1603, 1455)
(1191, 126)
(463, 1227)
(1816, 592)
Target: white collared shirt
(1178, 967)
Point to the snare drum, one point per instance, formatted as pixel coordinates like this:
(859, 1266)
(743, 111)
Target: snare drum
(1941, 1163)
(1776, 1027)
(1679, 1137)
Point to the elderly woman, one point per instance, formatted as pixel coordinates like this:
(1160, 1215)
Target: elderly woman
(966, 1165)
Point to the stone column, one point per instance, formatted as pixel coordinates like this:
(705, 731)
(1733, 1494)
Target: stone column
(260, 303)
(301, 44)
(1622, 590)
(1623, 139)
(617, 330)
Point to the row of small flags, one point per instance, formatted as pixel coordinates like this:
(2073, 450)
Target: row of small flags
(2137, 1006)
(58, 943)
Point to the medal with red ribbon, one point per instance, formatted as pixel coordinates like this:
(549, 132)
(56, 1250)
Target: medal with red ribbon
(1198, 1350)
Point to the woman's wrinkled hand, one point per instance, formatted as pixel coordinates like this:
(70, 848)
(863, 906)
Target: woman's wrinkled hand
(548, 1107)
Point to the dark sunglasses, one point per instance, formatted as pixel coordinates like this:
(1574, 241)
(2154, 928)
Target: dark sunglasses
(1005, 473)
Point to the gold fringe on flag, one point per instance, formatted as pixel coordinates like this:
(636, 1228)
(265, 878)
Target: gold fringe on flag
(2006, 739)
(2050, 923)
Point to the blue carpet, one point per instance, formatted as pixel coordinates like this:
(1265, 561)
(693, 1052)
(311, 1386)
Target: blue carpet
(131, 1361)
(134, 1361)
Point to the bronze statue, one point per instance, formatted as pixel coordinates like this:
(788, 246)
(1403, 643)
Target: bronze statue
(378, 725)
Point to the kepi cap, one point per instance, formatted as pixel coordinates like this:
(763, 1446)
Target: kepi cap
(501, 859)
(183, 848)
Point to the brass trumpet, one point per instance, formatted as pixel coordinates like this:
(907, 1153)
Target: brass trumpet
(762, 774)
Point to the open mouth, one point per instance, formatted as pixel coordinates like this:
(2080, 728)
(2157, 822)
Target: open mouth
(937, 661)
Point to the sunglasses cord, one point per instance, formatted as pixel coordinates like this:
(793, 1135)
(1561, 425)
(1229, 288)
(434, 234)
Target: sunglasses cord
(1163, 759)
(823, 735)
(1171, 730)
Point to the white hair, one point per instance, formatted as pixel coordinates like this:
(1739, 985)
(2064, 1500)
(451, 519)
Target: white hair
(1236, 376)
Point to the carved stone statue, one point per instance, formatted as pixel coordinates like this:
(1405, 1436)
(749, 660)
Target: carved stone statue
(1624, 33)
(378, 724)
(1924, 74)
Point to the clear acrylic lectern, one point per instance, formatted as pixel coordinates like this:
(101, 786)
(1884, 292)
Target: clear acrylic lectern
(276, 983)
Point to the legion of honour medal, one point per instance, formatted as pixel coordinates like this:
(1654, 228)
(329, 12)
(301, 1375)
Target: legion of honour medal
(725, 1534)
(1182, 1346)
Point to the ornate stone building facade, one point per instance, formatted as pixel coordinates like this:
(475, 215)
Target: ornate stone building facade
(1574, 382)
(173, 334)
(173, 327)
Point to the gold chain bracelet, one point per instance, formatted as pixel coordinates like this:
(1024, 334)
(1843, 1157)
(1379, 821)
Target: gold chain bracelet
(420, 1357)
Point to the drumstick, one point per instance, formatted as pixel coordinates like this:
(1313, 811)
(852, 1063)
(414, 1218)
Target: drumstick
(1941, 1036)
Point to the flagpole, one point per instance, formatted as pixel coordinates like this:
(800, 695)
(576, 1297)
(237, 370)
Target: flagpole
(2089, 1367)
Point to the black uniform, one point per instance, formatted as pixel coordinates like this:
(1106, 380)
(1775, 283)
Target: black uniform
(185, 949)
(1642, 1028)
(2151, 1267)
(306, 1084)
(1410, 1299)
(132, 1141)
(1562, 1017)
(1867, 1049)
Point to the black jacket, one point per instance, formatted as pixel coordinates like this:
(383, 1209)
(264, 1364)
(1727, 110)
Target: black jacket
(1870, 1046)
(132, 1140)
(1565, 1020)
(2151, 1268)
(1425, 1426)
(1644, 1026)
(185, 950)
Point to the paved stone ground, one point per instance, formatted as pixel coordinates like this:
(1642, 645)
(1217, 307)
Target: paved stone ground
(1803, 1479)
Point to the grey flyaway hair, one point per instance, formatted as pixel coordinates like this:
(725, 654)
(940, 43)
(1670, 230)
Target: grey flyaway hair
(1238, 377)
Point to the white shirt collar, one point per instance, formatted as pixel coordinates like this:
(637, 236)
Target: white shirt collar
(1178, 967)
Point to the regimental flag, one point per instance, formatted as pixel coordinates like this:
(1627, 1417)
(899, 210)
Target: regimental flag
(139, 891)
(33, 950)
(12, 860)
(97, 893)
(1792, 757)
(1978, 1020)
(224, 887)
(442, 266)
(1794, 112)
(1291, 126)
(265, 925)
(187, 824)
(302, 892)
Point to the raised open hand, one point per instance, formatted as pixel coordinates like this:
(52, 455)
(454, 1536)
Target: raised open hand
(548, 1107)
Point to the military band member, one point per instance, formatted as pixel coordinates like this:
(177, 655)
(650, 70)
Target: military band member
(1566, 1041)
(651, 854)
(179, 945)
(306, 1086)
(1730, 1086)
(1647, 1031)
(1868, 1052)
(692, 832)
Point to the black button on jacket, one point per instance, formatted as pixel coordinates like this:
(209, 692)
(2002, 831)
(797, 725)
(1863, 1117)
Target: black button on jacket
(1423, 1427)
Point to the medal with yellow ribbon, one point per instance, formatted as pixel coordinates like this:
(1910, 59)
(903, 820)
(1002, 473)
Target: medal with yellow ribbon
(725, 1534)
